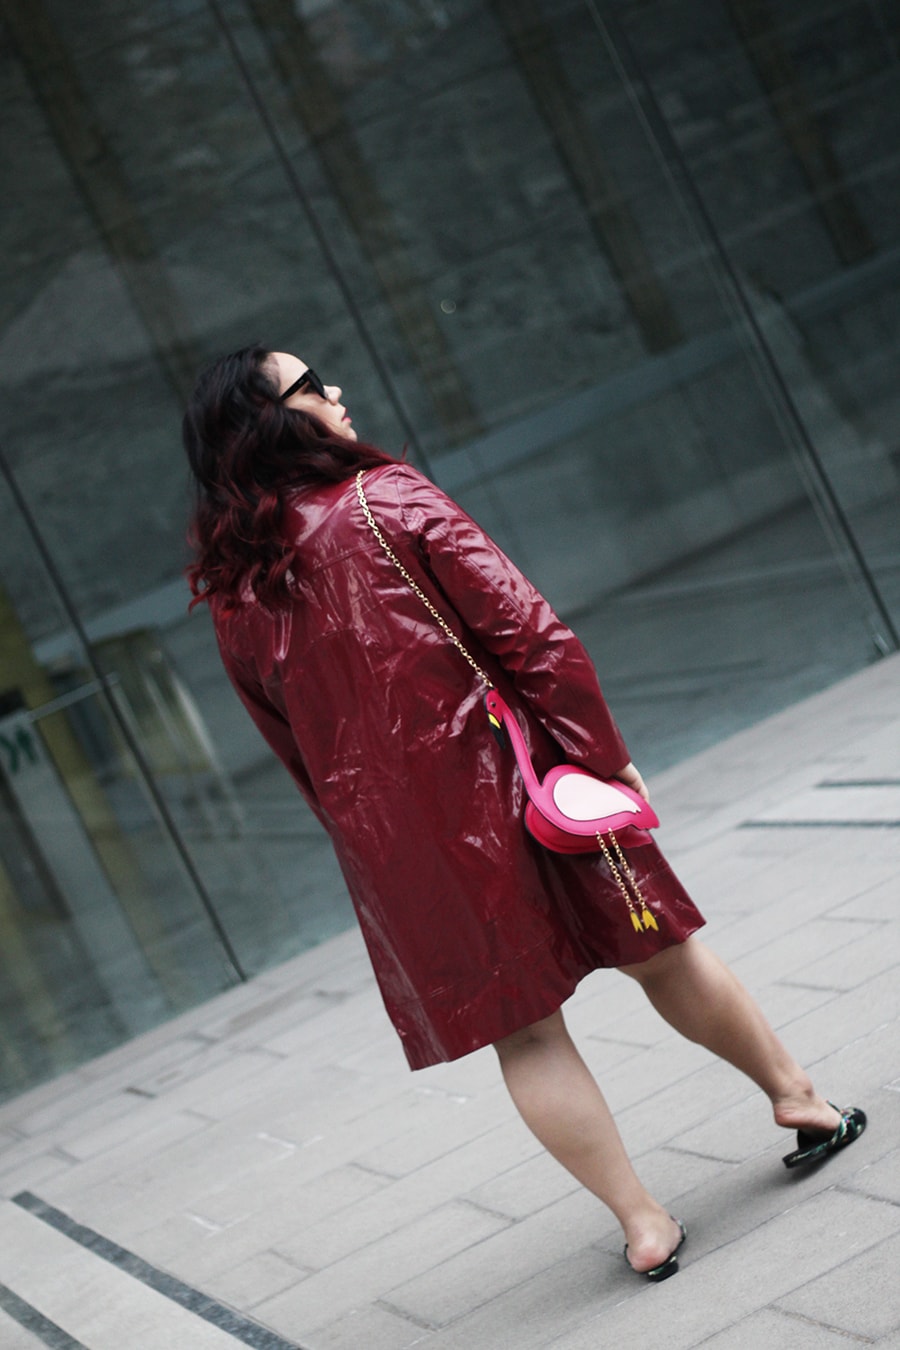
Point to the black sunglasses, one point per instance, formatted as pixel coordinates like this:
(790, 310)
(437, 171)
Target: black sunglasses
(309, 377)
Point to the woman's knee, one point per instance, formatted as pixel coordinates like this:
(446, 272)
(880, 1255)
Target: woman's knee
(661, 964)
(537, 1034)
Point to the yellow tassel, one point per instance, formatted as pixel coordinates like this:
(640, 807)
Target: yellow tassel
(649, 921)
(637, 923)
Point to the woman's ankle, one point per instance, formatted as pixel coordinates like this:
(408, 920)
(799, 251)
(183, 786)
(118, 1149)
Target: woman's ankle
(651, 1240)
(804, 1109)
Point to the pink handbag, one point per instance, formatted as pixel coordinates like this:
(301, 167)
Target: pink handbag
(572, 810)
(575, 811)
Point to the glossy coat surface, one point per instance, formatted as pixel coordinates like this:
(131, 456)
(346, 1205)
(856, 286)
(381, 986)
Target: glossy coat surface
(474, 930)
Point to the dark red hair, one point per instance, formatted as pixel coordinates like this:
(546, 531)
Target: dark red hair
(245, 449)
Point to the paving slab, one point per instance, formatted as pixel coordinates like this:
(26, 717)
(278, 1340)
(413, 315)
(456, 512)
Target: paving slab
(861, 1297)
(780, 1331)
(760, 1268)
(89, 1299)
(396, 1258)
(376, 1328)
(881, 1179)
(13, 1336)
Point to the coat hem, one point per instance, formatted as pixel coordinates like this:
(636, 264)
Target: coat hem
(424, 1056)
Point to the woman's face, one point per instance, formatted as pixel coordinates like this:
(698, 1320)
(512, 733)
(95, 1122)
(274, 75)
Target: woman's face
(330, 410)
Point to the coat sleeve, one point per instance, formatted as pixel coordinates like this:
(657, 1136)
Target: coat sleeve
(547, 664)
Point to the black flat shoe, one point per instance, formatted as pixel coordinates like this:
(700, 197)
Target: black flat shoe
(816, 1147)
(669, 1266)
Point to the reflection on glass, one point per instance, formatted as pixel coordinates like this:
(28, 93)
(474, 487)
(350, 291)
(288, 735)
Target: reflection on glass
(102, 936)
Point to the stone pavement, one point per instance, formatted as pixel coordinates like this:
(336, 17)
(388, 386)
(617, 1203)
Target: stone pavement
(265, 1171)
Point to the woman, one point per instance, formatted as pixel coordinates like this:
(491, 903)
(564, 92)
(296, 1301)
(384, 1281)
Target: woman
(477, 934)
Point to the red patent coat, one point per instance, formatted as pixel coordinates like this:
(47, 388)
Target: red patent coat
(474, 930)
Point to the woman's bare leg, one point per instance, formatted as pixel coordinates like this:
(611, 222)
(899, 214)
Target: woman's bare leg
(560, 1102)
(701, 998)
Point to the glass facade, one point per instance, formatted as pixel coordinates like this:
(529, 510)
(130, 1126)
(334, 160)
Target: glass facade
(625, 279)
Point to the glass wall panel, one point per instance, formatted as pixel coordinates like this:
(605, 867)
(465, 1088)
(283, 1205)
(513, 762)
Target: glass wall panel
(181, 238)
(589, 380)
(102, 934)
(787, 121)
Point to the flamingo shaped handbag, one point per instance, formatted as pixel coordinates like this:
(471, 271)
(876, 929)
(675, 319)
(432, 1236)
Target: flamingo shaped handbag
(574, 811)
(572, 806)
(571, 810)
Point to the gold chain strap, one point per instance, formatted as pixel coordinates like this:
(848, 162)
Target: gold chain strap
(488, 682)
(645, 919)
(636, 919)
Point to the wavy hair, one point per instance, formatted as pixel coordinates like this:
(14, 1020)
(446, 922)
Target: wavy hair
(246, 449)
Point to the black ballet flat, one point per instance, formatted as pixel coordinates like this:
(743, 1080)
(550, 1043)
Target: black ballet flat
(669, 1266)
(813, 1148)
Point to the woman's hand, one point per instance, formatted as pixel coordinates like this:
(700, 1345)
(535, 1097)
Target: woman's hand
(631, 778)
